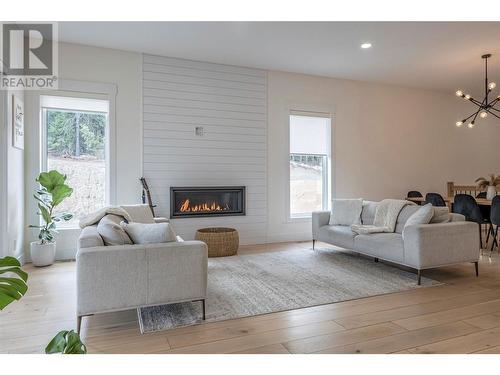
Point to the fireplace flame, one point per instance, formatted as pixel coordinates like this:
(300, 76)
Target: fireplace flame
(203, 207)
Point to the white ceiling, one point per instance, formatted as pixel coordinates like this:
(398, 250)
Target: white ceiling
(440, 56)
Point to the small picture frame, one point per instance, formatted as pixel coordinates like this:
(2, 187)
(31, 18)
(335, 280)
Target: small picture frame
(17, 123)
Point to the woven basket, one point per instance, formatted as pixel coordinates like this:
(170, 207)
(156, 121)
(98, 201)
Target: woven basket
(221, 242)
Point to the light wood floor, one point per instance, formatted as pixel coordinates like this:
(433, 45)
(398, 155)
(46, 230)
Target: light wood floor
(461, 316)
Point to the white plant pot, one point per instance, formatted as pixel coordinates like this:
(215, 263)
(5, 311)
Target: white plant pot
(43, 255)
(491, 192)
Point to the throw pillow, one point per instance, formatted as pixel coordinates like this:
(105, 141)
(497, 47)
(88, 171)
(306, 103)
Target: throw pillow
(139, 213)
(141, 233)
(422, 216)
(111, 232)
(441, 215)
(346, 211)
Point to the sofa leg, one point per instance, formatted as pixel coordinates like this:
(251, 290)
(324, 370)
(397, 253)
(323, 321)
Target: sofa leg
(314, 241)
(78, 323)
(203, 308)
(419, 282)
(376, 260)
(476, 264)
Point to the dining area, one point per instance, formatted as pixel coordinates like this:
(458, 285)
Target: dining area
(479, 203)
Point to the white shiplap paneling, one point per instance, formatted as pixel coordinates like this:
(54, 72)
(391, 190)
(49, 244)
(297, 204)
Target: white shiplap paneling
(230, 103)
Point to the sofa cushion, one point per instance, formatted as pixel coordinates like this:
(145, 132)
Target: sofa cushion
(404, 215)
(111, 232)
(346, 211)
(368, 213)
(149, 233)
(422, 216)
(387, 246)
(337, 235)
(139, 213)
(441, 215)
(89, 237)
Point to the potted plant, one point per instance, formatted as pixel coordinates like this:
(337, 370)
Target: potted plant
(490, 185)
(51, 194)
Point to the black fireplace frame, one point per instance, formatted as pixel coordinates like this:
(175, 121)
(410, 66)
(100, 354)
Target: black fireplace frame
(174, 189)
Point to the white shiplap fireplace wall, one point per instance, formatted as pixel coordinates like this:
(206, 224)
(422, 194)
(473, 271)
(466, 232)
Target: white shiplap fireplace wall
(230, 103)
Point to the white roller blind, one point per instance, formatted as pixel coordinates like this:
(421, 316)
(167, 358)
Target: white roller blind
(310, 134)
(75, 104)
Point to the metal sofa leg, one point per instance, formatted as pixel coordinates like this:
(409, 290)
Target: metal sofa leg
(203, 307)
(419, 282)
(375, 260)
(314, 241)
(476, 265)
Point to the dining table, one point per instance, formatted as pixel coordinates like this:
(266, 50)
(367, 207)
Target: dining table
(450, 200)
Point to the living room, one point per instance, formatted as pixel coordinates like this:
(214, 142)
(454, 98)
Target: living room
(250, 187)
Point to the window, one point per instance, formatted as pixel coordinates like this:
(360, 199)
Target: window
(74, 142)
(309, 163)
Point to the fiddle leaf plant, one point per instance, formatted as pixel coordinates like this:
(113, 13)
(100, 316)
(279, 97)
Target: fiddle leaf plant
(66, 342)
(11, 288)
(51, 194)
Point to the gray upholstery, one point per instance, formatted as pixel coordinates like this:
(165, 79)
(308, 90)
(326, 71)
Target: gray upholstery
(111, 278)
(404, 215)
(343, 236)
(368, 213)
(388, 246)
(418, 246)
(89, 237)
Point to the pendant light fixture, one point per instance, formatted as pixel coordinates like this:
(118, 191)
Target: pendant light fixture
(485, 107)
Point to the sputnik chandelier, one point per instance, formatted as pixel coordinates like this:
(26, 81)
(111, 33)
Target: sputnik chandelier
(485, 107)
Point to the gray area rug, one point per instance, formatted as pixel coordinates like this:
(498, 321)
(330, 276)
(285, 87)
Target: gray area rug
(255, 284)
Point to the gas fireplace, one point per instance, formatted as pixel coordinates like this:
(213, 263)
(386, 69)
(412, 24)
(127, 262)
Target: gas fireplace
(207, 201)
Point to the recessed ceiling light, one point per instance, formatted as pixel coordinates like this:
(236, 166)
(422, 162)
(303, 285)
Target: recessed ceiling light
(366, 45)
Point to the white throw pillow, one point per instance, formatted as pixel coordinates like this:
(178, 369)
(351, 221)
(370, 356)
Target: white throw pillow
(141, 233)
(111, 232)
(422, 216)
(346, 211)
(441, 215)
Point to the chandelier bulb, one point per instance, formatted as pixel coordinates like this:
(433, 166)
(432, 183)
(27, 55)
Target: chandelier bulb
(459, 123)
(467, 97)
(492, 85)
(459, 93)
(471, 125)
(483, 114)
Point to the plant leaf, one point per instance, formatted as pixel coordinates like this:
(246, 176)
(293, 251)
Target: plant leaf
(11, 288)
(66, 342)
(45, 213)
(59, 193)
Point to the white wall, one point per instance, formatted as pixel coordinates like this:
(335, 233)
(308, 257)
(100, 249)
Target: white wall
(386, 140)
(230, 103)
(101, 65)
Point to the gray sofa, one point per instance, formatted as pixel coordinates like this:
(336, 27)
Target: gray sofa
(113, 278)
(416, 246)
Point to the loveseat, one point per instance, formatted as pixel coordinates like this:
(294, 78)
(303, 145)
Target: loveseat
(420, 247)
(122, 277)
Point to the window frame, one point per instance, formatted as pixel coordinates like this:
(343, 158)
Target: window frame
(327, 172)
(109, 144)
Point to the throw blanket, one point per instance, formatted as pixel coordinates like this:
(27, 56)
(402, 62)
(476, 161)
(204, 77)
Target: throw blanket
(95, 217)
(386, 216)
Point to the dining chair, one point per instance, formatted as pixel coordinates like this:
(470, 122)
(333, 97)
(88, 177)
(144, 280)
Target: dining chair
(435, 199)
(466, 205)
(486, 212)
(414, 194)
(495, 220)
